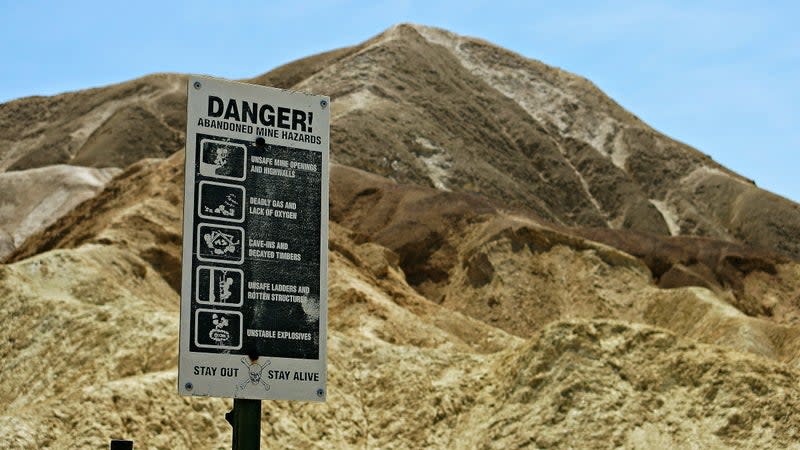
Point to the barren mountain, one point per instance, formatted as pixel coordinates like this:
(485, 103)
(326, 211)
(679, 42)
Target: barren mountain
(451, 112)
(104, 127)
(461, 114)
(515, 262)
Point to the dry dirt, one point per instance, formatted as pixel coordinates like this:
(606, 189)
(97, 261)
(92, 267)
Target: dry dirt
(515, 262)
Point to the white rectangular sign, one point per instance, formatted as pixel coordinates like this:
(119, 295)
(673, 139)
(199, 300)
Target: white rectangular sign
(255, 243)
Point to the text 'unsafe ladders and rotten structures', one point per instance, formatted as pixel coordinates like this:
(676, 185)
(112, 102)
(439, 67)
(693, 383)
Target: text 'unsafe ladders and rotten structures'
(254, 292)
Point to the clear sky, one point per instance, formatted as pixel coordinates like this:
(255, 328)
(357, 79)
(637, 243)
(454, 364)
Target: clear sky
(721, 76)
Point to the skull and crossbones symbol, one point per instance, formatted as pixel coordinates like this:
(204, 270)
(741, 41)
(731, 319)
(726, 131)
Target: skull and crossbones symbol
(254, 373)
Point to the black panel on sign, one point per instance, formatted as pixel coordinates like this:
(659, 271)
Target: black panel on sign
(218, 329)
(220, 201)
(219, 286)
(257, 249)
(222, 159)
(220, 243)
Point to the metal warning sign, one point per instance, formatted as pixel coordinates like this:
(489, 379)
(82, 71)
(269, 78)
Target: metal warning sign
(255, 240)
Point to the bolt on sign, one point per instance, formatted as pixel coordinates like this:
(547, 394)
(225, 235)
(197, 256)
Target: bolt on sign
(255, 241)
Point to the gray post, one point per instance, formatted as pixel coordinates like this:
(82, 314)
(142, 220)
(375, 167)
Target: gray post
(245, 418)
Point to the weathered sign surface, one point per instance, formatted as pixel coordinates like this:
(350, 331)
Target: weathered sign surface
(254, 293)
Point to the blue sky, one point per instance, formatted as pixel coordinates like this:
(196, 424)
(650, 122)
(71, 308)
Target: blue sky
(722, 76)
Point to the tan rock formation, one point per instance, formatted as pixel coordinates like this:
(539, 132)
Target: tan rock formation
(33, 199)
